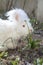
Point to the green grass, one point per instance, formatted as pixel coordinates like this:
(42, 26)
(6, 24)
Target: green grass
(31, 43)
(38, 61)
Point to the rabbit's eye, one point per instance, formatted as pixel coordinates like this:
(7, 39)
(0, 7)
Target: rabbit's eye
(23, 25)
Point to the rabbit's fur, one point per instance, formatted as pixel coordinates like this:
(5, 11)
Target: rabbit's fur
(16, 27)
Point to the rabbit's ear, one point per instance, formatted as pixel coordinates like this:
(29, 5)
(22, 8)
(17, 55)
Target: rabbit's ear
(17, 16)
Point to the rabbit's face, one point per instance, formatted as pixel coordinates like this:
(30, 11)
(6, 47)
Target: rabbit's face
(20, 15)
(22, 29)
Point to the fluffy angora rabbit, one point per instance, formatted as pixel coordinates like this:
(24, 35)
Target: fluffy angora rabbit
(16, 27)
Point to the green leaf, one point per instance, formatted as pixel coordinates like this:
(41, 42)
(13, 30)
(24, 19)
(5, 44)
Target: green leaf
(16, 62)
(3, 54)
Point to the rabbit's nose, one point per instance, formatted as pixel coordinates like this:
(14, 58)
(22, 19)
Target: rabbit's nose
(30, 30)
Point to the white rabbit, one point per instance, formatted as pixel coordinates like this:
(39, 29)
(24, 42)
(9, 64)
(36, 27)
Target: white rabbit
(22, 16)
(11, 32)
